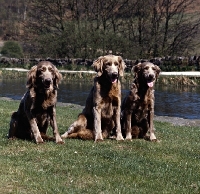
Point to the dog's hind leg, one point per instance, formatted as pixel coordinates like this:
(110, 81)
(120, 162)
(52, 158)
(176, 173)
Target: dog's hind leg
(75, 127)
(84, 134)
(72, 129)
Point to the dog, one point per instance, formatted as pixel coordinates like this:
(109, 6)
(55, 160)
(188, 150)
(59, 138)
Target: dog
(137, 112)
(102, 110)
(38, 106)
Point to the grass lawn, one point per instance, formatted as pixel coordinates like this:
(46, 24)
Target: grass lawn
(171, 166)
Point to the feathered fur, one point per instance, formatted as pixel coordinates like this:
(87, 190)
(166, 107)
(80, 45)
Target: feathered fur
(138, 106)
(102, 110)
(38, 106)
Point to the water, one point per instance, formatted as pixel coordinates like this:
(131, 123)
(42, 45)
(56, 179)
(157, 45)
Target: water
(179, 101)
(172, 101)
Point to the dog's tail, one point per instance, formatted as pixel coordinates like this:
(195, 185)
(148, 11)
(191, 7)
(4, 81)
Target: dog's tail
(13, 125)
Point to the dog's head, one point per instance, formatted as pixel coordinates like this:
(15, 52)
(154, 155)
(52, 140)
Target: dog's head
(147, 72)
(44, 75)
(111, 65)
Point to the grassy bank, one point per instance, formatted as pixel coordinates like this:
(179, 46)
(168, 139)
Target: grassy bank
(13, 74)
(5, 74)
(128, 77)
(179, 80)
(171, 166)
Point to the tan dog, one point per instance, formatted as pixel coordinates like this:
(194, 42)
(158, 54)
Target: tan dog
(138, 105)
(102, 110)
(37, 107)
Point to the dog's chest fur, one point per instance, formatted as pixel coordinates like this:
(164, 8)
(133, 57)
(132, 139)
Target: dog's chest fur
(41, 104)
(110, 101)
(43, 99)
(141, 102)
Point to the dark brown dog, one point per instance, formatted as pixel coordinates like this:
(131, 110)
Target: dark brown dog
(102, 111)
(138, 106)
(37, 107)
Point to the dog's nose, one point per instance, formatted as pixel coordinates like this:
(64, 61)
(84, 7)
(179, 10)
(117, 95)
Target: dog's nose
(151, 76)
(114, 74)
(47, 81)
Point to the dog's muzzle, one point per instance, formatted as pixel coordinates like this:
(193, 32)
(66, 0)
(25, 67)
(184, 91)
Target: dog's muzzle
(47, 82)
(150, 80)
(114, 77)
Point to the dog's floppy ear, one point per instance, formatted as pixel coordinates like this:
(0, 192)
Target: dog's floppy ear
(122, 66)
(135, 69)
(98, 66)
(31, 77)
(58, 77)
(158, 70)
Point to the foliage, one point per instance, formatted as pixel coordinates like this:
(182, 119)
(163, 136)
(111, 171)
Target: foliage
(89, 28)
(12, 49)
(138, 166)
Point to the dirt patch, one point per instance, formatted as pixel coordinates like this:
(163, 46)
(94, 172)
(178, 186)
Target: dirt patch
(178, 121)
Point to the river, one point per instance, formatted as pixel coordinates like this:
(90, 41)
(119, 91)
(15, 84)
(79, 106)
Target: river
(173, 101)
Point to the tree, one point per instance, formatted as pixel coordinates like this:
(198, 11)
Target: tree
(12, 49)
(12, 13)
(89, 28)
(162, 27)
(180, 25)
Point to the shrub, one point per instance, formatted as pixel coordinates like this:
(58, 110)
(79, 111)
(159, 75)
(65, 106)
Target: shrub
(12, 49)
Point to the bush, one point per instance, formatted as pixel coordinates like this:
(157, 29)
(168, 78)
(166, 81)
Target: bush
(12, 49)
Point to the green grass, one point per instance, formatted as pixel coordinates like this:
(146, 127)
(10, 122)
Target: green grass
(171, 166)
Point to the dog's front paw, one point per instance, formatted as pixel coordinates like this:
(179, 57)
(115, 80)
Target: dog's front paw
(119, 137)
(59, 140)
(128, 136)
(39, 139)
(152, 137)
(98, 137)
(155, 140)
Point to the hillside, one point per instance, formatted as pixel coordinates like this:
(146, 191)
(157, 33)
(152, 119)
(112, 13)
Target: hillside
(87, 29)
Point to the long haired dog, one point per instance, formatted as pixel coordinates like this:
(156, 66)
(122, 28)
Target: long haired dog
(37, 107)
(102, 110)
(138, 106)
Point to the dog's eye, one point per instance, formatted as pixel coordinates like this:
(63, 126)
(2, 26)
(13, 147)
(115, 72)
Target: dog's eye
(115, 63)
(50, 69)
(146, 68)
(154, 68)
(108, 64)
(43, 69)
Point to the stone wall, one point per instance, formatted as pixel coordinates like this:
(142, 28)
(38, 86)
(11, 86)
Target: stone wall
(166, 63)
